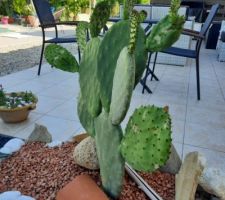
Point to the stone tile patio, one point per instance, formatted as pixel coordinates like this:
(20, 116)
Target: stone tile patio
(197, 125)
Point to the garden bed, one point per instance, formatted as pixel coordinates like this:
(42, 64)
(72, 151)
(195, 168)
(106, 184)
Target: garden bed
(40, 172)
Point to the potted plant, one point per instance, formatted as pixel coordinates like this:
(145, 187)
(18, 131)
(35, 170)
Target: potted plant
(16, 106)
(109, 71)
(19, 7)
(31, 15)
(6, 10)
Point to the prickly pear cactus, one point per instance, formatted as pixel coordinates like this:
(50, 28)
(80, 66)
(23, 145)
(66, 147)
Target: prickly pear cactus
(123, 85)
(108, 138)
(110, 48)
(86, 119)
(88, 78)
(167, 31)
(99, 17)
(81, 33)
(147, 141)
(127, 8)
(61, 58)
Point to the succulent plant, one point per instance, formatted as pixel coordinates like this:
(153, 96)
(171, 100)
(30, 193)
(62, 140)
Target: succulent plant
(109, 71)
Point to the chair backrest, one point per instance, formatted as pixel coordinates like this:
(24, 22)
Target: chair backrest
(209, 19)
(44, 13)
(160, 11)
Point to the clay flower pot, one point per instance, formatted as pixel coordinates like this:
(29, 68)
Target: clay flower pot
(81, 188)
(17, 114)
(5, 20)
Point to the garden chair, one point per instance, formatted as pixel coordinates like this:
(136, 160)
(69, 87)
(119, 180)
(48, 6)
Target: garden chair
(47, 20)
(189, 53)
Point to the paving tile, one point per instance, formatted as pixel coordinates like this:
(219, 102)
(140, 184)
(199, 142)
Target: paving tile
(214, 158)
(67, 110)
(60, 129)
(207, 136)
(13, 129)
(204, 116)
(46, 104)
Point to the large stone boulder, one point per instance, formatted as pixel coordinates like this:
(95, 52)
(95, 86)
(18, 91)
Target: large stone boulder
(85, 154)
(213, 182)
(40, 134)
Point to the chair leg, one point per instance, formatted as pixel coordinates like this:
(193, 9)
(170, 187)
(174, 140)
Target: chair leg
(143, 82)
(41, 58)
(198, 78)
(79, 54)
(153, 69)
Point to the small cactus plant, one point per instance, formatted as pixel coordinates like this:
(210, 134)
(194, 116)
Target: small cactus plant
(109, 71)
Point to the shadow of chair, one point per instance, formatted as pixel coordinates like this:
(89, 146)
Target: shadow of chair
(47, 20)
(192, 53)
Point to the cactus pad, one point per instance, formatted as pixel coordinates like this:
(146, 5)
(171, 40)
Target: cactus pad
(147, 141)
(61, 58)
(165, 33)
(109, 51)
(86, 119)
(123, 84)
(99, 17)
(108, 138)
(81, 33)
(88, 77)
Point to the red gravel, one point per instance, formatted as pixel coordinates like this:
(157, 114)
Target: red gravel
(41, 172)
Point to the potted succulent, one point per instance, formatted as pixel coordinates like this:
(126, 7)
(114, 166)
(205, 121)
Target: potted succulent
(109, 71)
(6, 10)
(15, 106)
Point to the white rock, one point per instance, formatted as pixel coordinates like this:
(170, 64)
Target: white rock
(213, 181)
(10, 195)
(54, 144)
(12, 145)
(24, 197)
(5, 150)
(85, 154)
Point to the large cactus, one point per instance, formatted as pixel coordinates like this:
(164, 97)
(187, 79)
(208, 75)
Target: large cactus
(109, 70)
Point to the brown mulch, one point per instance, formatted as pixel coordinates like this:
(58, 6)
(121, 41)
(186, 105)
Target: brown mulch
(41, 172)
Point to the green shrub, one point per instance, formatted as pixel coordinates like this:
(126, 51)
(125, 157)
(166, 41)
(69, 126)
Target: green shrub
(6, 8)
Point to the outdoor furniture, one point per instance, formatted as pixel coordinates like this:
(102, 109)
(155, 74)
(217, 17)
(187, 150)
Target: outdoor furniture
(47, 20)
(194, 54)
(220, 48)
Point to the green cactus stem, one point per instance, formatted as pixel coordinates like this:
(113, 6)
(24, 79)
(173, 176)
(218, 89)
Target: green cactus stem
(89, 84)
(127, 8)
(81, 33)
(61, 58)
(108, 138)
(110, 48)
(123, 85)
(147, 141)
(86, 119)
(133, 31)
(99, 17)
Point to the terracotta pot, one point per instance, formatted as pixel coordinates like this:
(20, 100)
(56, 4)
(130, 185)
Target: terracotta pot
(5, 20)
(32, 20)
(17, 114)
(11, 20)
(81, 188)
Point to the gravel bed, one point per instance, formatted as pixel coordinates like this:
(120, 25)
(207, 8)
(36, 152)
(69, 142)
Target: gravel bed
(24, 57)
(41, 172)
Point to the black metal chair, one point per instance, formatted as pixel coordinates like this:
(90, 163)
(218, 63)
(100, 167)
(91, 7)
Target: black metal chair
(189, 53)
(46, 18)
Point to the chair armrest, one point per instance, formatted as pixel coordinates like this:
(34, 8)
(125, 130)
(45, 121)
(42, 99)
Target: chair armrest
(192, 33)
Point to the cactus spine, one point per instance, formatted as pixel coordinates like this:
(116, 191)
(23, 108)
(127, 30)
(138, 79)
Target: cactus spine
(109, 70)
